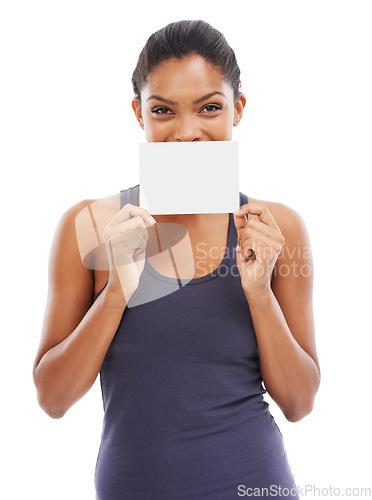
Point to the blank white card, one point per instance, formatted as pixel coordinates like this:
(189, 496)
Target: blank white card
(189, 177)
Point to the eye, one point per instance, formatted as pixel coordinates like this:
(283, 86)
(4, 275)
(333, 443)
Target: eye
(216, 108)
(212, 106)
(158, 109)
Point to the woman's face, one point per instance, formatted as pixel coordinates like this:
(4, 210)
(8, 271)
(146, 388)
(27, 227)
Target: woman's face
(176, 105)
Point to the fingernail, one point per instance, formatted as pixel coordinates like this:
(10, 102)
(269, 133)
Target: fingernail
(154, 221)
(236, 211)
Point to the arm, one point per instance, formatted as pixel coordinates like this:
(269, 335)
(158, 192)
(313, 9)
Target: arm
(75, 334)
(283, 321)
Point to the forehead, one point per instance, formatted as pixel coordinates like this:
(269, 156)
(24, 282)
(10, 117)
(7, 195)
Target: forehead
(189, 76)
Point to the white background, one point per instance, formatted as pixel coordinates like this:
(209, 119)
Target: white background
(68, 133)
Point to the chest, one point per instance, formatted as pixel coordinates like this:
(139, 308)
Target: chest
(194, 254)
(176, 251)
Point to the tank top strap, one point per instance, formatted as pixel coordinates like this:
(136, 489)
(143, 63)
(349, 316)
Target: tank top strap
(233, 237)
(129, 195)
(243, 198)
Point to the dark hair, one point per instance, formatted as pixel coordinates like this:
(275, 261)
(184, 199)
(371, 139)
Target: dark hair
(180, 39)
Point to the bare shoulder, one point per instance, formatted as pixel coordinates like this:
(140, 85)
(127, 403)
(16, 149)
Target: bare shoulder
(290, 222)
(78, 235)
(99, 207)
(105, 208)
(90, 223)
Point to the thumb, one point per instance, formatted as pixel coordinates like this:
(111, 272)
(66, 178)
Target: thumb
(240, 222)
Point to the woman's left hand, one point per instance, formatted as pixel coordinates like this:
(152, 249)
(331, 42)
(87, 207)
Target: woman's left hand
(264, 237)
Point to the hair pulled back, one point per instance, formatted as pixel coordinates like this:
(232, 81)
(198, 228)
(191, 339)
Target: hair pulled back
(181, 39)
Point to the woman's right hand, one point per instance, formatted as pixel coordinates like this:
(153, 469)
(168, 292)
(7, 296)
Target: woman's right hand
(126, 238)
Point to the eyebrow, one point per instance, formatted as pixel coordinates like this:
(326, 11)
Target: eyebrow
(173, 103)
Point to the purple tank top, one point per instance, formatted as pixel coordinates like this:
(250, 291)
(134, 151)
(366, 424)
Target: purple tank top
(184, 413)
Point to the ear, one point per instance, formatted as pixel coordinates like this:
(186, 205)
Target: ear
(239, 108)
(136, 105)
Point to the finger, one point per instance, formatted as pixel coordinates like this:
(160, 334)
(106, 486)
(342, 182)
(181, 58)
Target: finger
(259, 235)
(127, 241)
(129, 211)
(261, 211)
(257, 246)
(123, 247)
(264, 228)
(240, 222)
(132, 226)
(247, 253)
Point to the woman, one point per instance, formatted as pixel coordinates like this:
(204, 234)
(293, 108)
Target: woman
(181, 372)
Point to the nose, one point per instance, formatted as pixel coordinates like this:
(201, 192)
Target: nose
(187, 131)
